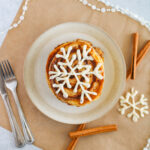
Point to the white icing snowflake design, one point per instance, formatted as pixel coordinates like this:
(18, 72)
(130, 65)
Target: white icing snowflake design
(137, 107)
(63, 75)
(147, 147)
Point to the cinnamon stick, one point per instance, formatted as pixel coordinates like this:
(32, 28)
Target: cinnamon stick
(134, 55)
(75, 140)
(91, 131)
(78, 133)
(140, 56)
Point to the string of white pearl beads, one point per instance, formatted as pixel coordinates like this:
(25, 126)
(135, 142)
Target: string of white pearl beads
(116, 8)
(148, 145)
(21, 18)
(102, 10)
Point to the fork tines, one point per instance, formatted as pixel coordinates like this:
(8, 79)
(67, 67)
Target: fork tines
(7, 70)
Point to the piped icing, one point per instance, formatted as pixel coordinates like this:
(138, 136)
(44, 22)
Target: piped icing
(61, 73)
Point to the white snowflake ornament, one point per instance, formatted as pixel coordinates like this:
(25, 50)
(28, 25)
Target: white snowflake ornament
(147, 147)
(138, 107)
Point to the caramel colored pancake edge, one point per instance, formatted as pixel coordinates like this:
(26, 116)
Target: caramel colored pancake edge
(74, 102)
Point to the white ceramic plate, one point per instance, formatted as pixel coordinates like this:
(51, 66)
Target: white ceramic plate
(35, 78)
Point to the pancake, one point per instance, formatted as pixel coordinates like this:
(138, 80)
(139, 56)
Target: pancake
(75, 72)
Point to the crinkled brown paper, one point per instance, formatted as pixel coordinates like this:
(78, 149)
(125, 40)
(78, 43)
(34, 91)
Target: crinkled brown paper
(52, 135)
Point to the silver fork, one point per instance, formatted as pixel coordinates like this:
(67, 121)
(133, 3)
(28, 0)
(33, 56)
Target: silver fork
(19, 139)
(11, 84)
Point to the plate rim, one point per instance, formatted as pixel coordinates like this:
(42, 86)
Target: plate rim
(34, 44)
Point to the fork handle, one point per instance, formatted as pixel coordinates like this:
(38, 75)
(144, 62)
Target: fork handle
(19, 139)
(26, 130)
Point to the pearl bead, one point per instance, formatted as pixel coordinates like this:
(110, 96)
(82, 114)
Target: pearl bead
(85, 2)
(148, 140)
(25, 8)
(21, 17)
(15, 25)
(103, 10)
(93, 7)
(145, 148)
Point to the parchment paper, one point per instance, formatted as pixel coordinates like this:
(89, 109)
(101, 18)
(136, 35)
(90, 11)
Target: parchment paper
(52, 135)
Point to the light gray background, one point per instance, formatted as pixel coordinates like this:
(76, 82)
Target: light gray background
(140, 7)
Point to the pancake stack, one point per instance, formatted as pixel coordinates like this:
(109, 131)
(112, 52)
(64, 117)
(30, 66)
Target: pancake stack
(75, 72)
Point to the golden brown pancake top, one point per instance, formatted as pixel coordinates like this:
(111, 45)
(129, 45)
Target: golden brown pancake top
(75, 72)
